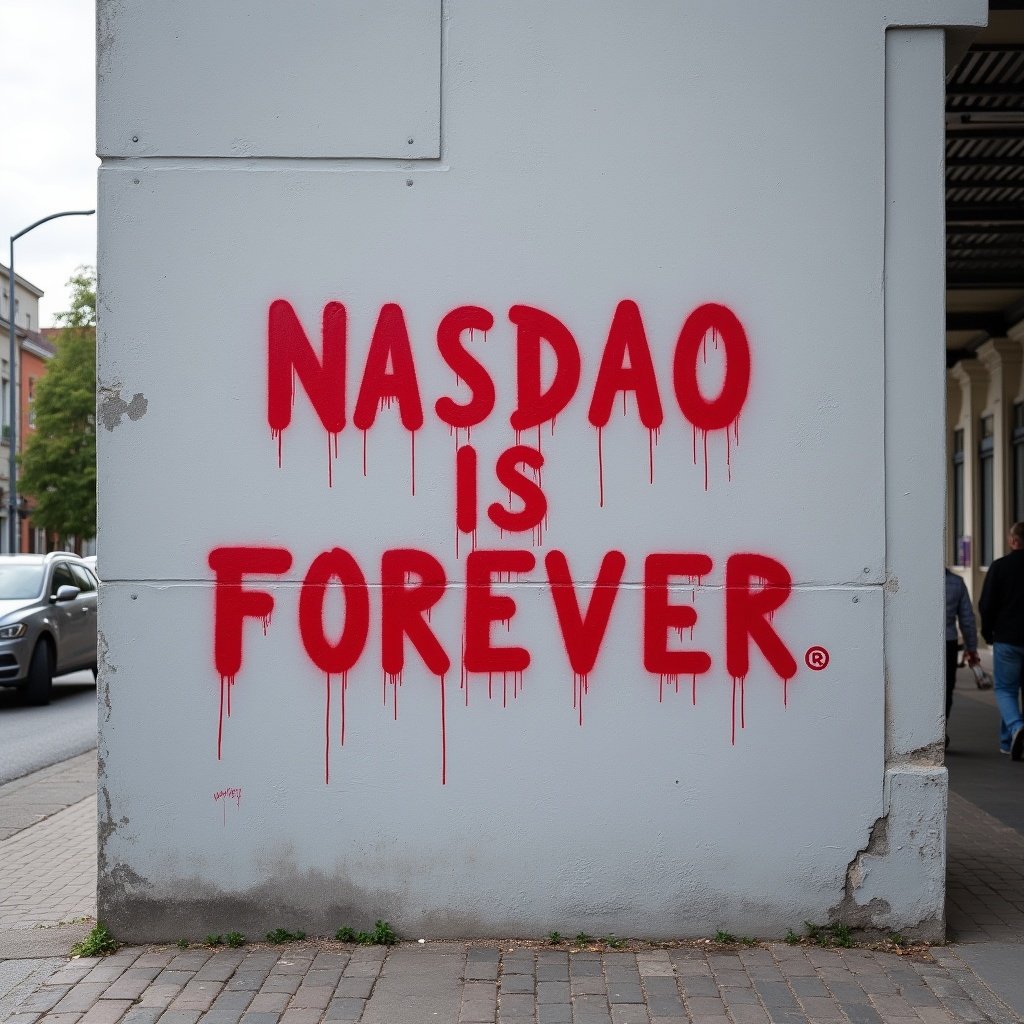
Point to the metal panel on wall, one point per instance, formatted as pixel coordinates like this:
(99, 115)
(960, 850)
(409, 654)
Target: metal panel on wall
(322, 78)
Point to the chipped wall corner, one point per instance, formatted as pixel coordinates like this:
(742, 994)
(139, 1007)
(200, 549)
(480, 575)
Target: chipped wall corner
(897, 881)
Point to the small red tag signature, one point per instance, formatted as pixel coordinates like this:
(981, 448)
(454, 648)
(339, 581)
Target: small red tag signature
(235, 793)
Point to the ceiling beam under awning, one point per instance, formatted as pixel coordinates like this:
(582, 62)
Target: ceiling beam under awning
(983, 282)
(989, 160)
(985, 213)
(984, 130)
(992, 324)
(986, 89)
(985, 182)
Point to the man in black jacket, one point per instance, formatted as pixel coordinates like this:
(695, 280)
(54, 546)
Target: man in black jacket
(1002, 625)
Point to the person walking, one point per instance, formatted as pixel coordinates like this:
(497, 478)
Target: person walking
(958, 607)
(1002, 625)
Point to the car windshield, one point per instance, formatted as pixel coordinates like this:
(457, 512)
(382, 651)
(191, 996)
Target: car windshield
(18, 582)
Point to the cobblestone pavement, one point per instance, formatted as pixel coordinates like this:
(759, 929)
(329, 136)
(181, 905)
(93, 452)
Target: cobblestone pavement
(414, 984)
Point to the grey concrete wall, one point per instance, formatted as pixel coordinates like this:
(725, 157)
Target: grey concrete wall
(745, 735)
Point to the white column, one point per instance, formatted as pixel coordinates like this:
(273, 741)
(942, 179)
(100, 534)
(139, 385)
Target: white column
(972, 377)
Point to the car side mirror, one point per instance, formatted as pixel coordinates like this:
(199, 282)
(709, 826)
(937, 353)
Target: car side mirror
(65, 593)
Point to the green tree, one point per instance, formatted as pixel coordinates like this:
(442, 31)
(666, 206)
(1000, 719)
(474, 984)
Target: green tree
(58, 466)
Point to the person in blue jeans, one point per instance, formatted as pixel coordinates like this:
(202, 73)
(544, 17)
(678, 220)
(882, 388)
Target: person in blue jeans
(1002, 625)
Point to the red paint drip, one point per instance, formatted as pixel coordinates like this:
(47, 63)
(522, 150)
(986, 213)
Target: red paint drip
(332, 455)
(600, 469)
(693, 687)
(220, 719)
(278, 435)
(344, 690)
(734, 711)
(580, 687)
(785, 693)
(327, 735)
(412, 442)
(444, 740)
(463, 674)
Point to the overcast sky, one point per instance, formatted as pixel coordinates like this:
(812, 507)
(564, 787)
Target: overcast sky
(47, 144)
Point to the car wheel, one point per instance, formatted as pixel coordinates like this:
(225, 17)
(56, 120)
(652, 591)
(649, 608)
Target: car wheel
(40, 675)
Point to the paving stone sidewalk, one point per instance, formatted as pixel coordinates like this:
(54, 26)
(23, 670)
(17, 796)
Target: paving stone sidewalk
(456, 983)
(985, 877)
(48, 872)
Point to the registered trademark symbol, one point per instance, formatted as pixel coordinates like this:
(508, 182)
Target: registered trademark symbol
(816, 658)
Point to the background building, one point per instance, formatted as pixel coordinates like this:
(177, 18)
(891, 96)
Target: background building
(985, 294)
(33, 350)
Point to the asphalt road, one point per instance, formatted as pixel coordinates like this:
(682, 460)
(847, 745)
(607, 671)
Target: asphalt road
(33, 738)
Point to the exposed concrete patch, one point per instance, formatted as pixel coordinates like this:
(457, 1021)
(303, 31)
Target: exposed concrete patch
(848, 911)
(932, 755)
(113, 408)
(897, 881)
(106, 669)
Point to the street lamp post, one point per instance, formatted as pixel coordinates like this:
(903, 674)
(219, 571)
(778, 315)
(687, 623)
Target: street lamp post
(13, 523)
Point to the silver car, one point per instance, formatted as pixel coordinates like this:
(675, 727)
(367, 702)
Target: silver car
(47, 621)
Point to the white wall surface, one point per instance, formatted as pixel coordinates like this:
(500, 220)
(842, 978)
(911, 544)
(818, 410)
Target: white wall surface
(721, 153)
